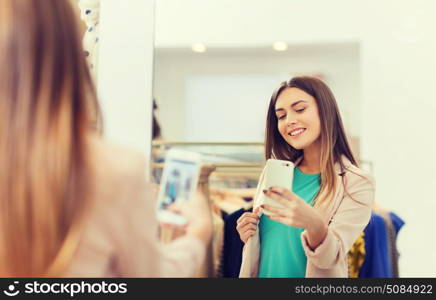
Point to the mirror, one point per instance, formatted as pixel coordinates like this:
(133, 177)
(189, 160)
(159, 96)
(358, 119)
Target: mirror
(217, 63)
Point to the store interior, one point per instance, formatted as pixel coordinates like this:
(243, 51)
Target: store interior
(210, 68)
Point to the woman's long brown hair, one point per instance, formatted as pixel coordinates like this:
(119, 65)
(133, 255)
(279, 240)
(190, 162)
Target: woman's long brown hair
(47, 106)
(334, 142)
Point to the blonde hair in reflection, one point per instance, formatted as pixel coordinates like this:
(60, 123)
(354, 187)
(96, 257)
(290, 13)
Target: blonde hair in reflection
(48, 109)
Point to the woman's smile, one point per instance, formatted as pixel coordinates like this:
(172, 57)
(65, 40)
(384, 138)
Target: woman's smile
(297, 132)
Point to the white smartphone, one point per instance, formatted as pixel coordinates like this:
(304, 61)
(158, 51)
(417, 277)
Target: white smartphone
(178, 183)
(277, 173)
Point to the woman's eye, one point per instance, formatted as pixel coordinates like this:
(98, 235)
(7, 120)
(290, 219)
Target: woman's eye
(281, 117)
(300, 110)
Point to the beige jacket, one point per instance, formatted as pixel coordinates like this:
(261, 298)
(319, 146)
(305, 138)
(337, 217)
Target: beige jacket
(346, 218)
(121, 236)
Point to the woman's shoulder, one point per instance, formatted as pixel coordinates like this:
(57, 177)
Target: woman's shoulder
(120, 173)
(121, 202)
(116, 160)
(357, 176)
(359, 184)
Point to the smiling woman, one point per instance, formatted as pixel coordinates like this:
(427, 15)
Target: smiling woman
(331, 198)
(298, 121)
(307, 102)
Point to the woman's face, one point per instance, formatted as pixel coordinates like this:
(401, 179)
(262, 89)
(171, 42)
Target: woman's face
(298, 118)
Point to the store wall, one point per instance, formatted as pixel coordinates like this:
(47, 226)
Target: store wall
(200, 93)
(397, 59)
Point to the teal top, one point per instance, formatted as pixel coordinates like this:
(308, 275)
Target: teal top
(281, 251)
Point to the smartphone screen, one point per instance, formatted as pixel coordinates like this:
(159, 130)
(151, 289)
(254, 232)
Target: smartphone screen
(178, 184)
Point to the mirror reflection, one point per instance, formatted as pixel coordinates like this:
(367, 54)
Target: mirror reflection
(217, 67)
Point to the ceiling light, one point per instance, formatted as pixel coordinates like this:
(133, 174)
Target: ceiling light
(280, 46)
(199, 48)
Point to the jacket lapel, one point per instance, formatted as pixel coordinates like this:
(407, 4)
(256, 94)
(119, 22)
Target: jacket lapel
(328, 209)
(250, 259)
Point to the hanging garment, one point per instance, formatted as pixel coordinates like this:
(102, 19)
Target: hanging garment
(232, 249)
(217, 243)
(356, 257)
(90, 14)
(357, 253)
(397, 224)
(390, 235)
(377, 259)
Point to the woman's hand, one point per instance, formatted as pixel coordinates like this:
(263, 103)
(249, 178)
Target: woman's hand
(296, 212)
(247, 224)
(198, 214)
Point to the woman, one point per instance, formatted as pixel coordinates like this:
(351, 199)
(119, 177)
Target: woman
(71, 204)
(331, 198)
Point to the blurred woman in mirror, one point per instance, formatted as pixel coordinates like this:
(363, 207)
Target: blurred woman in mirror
(72, 204)
(330, 202)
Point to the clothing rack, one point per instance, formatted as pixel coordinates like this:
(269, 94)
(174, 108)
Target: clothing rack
(212, 172)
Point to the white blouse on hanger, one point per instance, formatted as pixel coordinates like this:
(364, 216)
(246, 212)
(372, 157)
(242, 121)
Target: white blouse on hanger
(90, 14)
